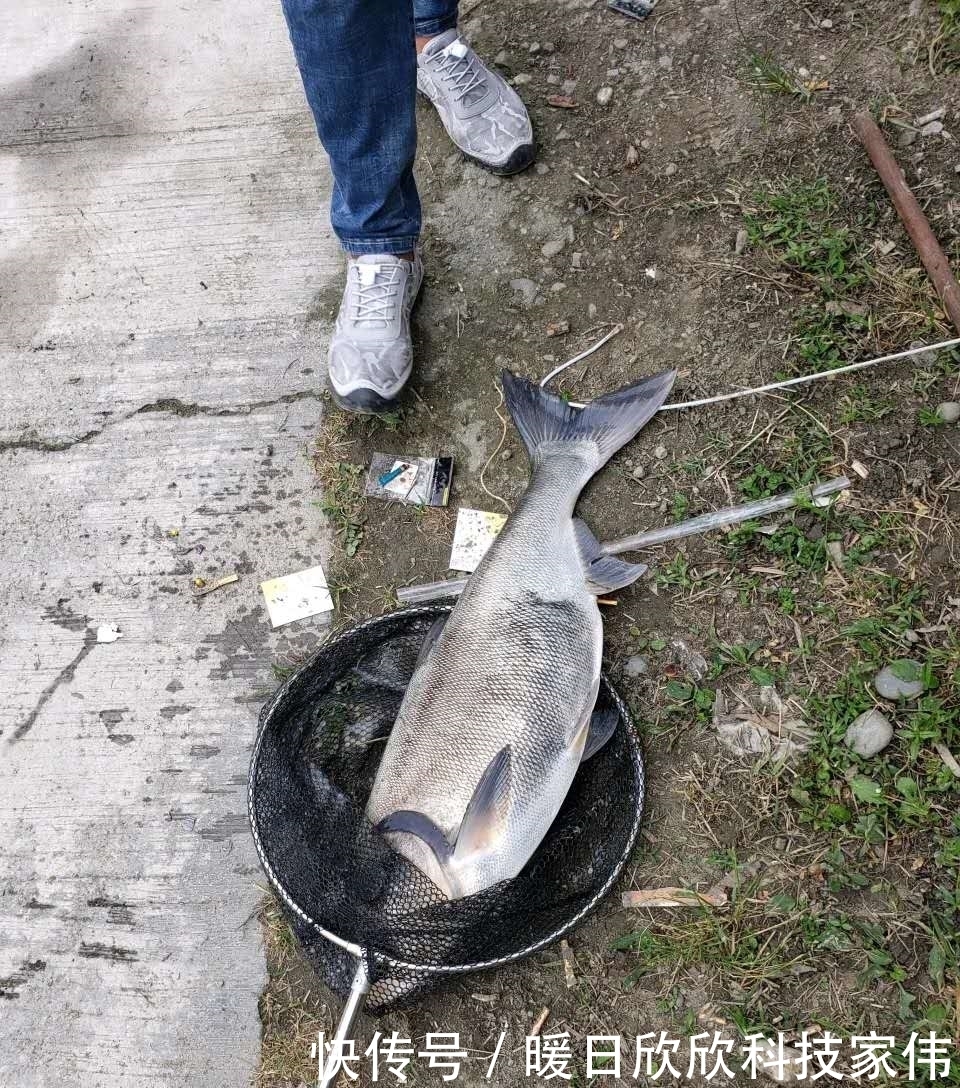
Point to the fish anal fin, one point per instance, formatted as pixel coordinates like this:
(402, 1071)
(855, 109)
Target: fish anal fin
(485, 819)
(603, 573)
(416, 823)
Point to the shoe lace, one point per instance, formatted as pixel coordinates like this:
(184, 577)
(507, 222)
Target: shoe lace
(377, 300)
(462, 74)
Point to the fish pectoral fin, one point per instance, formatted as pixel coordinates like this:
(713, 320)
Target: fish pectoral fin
(603, 572)
(603, 724)
(485, 820)
(416, 823)
(430, 640)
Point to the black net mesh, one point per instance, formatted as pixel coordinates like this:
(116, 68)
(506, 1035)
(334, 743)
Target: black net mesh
(320, 740)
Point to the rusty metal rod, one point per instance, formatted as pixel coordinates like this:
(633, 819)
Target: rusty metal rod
(911, 215)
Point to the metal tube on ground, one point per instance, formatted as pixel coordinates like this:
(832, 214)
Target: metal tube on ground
(730, 515)
(911, 214)
(431, 591)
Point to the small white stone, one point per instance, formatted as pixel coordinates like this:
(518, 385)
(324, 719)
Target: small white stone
(934, 128)
(949, 411)
(869, 733)
(670, 169)
(889, 685)
(827, 24)
(604, 95)
(660, 452)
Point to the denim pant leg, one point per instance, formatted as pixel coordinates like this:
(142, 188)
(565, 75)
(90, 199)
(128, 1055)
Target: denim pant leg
(358, 65)
(434, 16)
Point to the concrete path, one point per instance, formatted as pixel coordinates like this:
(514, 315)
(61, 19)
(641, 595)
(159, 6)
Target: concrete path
(162, 233)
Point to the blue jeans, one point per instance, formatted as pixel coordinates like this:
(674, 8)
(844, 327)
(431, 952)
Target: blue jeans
(358, 64)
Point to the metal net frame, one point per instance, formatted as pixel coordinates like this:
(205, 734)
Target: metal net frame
(372, 925)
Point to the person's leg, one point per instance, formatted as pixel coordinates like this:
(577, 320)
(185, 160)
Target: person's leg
(358, 65)
(433, 17)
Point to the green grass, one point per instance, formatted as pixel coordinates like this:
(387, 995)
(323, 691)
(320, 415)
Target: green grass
(343, 503)
(946, 45)
(801, 226)
(766, 73)
(860, 405)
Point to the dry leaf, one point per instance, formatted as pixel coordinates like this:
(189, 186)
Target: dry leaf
(673, 897)
(561, 102)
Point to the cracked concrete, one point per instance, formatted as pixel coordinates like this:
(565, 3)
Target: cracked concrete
(162, 237)
(173, 405)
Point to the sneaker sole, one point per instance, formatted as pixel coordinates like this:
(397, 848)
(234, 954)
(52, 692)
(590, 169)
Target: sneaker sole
(364, 402)
(521, 159)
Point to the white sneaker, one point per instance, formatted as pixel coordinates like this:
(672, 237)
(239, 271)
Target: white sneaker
(482, 114)
(371, 353)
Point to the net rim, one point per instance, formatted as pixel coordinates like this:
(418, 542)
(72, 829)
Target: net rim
(366, 954)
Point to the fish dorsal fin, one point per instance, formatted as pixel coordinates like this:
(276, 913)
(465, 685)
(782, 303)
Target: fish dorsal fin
(603, 724)
(485, 820)
(416, 823)
(603, 572)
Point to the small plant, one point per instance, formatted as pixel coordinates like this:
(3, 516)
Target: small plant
(945, 48)
(766, 73)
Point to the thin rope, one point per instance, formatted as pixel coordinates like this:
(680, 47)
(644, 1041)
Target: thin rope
(787, 384)
(583, 354)
(804, 379)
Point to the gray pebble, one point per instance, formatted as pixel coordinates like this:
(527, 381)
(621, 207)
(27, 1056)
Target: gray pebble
(890, 686)
(670, 169)
(506, 455)
(558, 287)
(869, 733)
(949, 411)
(638, 472)
(553, 247)
(660, 452)
(604, 95)
(522, 79)
(934, 128)
(527, 288)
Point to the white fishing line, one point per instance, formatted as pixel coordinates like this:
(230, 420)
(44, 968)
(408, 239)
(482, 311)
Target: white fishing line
(787, 384)
(804, 379)
(583, 354)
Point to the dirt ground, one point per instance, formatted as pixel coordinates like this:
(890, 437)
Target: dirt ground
(717, 205)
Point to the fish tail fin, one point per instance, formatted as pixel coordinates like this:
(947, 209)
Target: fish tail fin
(546, 422)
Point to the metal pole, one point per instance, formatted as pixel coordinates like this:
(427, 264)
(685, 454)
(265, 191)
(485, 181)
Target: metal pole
(730, 515)
(911, 214)
(351, 1010)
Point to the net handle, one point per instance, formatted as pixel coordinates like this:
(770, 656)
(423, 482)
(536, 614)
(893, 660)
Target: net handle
(359, 989)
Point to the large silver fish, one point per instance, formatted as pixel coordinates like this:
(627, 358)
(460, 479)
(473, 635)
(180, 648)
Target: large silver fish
(497, 717)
